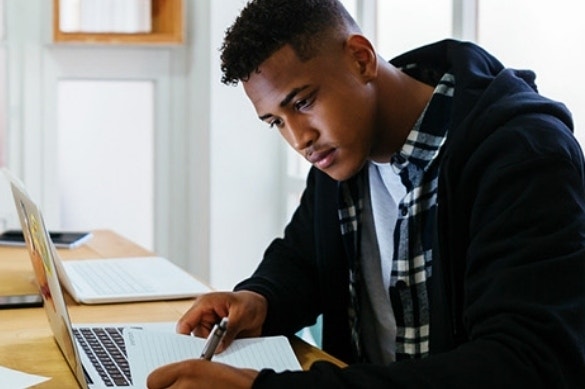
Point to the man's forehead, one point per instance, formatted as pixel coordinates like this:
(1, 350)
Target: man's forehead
(282, 61)
(279, 74)
(265, 93)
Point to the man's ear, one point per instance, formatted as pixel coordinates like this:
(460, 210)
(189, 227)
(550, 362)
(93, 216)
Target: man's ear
(363, 55)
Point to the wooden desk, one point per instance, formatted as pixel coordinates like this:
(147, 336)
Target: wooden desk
(26, 341)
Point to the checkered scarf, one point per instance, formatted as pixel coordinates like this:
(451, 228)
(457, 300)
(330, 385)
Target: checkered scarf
(417, 163)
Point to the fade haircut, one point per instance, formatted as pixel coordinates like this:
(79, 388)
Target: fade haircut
(265, 26)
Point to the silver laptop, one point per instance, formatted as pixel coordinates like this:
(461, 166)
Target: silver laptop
(114, 280)
(96, 354)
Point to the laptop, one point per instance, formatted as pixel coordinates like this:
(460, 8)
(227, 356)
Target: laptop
(96, 354)
(111, 280)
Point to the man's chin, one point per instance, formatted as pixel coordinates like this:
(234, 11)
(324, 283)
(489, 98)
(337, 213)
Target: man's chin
(340, 174)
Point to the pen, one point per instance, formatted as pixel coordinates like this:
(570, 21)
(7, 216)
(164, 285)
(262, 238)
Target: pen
(215, 336)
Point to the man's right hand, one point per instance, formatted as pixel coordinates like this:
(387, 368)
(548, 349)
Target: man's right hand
(245, 310)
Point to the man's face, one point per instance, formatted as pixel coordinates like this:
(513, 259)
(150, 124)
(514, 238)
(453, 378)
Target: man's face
(324, 107)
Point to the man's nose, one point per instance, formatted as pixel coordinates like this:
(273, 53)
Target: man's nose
(301, 135)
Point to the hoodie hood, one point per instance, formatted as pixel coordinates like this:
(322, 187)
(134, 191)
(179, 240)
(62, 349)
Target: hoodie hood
(487, 95)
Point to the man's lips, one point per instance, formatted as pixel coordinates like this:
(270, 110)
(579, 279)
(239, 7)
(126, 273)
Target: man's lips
(321, 159)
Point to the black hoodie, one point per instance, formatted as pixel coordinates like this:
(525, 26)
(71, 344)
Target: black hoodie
(507, 293)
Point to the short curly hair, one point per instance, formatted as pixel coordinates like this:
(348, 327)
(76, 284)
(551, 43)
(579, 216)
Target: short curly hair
(264, 26)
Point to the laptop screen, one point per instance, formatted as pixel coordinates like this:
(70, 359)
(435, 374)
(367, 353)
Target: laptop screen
(42, 252)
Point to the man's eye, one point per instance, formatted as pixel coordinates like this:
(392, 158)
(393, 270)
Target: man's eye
(301, 104)
(305, 103)
(275, 123)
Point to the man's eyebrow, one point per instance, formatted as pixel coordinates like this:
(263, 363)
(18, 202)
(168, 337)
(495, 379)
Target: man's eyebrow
(287, 99)
(292, 94)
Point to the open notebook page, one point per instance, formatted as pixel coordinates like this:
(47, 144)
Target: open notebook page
(148, 350)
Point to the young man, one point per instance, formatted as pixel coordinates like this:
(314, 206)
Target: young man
(442, 230)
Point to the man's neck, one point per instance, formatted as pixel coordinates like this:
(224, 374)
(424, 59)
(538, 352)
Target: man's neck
(401, 101)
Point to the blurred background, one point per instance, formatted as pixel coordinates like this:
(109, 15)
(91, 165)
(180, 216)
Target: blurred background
(131, 130)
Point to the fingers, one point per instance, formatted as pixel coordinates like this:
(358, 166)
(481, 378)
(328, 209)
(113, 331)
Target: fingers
(198, 373)
(206, 310)
(245, 310)
(196, 322)
(163, 377)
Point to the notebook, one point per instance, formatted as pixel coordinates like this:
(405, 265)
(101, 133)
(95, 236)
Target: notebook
(110, 280)
(99, 354)
(272, 352)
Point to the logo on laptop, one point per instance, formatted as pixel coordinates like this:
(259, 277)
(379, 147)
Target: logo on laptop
(39, 251)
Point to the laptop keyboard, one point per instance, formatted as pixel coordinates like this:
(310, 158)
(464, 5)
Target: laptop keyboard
(110, 279)
(106, 350)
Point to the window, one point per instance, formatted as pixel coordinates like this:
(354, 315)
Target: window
(405, 25)
(545, 36)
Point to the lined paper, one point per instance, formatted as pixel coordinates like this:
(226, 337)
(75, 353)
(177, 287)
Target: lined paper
(148, 350)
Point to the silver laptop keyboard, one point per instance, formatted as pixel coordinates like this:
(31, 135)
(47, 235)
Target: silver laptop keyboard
(110, 279)
(106, 350)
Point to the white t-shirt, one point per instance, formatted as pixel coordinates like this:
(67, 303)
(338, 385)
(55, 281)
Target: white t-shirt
(380, 216)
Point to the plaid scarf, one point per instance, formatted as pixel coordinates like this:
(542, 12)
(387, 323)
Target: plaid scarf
(417, 163)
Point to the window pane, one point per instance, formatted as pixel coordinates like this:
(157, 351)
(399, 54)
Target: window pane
(405, 25)
(545, 36)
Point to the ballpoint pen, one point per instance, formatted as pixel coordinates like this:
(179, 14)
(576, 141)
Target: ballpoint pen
(215, 336)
